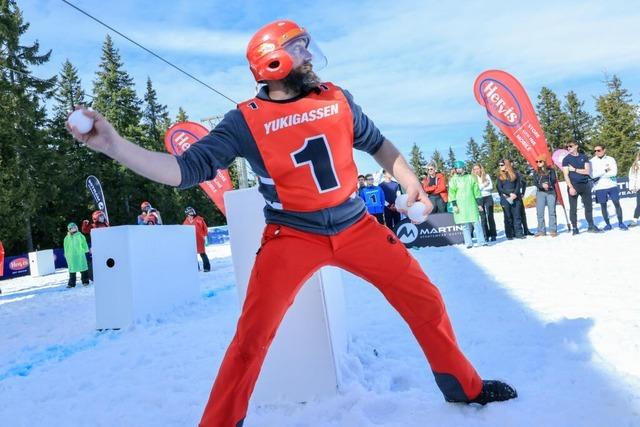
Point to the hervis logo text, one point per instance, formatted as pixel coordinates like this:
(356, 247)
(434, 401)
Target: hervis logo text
(500, 102)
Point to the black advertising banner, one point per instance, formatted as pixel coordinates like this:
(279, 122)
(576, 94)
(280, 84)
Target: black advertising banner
(437, 230)
(95, 188)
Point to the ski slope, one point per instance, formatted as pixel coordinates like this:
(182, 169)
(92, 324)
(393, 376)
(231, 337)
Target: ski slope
(558, 318)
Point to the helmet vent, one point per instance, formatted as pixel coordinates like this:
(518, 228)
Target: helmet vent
(274, 64)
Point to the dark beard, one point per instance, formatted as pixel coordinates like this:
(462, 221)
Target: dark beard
(301, 82)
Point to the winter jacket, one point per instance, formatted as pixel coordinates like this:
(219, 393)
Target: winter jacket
(550, 178)
(604, 179)
(200, 229)
(75, 248)
(487, 187)
(634, 179)
(87, 227)
(438, 188)
(506, 187)
(464, 193)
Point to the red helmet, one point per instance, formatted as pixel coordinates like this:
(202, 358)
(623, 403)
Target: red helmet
(271, 53)
(95, 217)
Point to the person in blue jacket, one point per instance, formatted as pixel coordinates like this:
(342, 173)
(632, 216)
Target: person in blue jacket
(373, 197)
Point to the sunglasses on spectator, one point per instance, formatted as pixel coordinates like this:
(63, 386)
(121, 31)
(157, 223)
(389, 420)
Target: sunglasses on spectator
(540, 161)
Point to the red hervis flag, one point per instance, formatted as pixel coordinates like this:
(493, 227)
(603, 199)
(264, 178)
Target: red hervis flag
(179, 139)
(508, 107)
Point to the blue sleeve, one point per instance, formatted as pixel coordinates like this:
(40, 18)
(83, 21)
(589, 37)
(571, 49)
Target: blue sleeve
(215, 151)
(381, 192)
(366, 136)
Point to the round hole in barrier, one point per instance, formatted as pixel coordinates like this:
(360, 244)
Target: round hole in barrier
(111, 263)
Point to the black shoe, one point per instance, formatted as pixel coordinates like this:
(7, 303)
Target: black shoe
(593, 229)
(521, 237)
(206, 271)
(575, 231)
(495, 391)
(492, 239)
(71, 286)
(528, 233)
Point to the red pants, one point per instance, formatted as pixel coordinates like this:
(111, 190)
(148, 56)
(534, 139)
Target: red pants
(286, 259)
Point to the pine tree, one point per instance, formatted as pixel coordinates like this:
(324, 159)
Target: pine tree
(554, 121)
(580, 122)
(474, 152)
(417, 161)
(617, 123)
(116, 99)
(70, 200)
(25, 166)
(182, 116)
(495, 149)
(438, 160)
(451, 159)
(155, 118)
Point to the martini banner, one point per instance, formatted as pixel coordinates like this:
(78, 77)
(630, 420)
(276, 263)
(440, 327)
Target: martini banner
(509, 107)
(179, 139)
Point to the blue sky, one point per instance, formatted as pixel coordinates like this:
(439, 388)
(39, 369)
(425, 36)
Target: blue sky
(410, 66)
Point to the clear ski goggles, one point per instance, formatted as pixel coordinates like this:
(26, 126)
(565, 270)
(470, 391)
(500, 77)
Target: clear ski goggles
(303, 49)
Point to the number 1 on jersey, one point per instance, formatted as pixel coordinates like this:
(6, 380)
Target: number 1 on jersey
(316, 153)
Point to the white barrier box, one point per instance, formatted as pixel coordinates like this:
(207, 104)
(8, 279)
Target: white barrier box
(303, 361)
(42, 263)
(142, 272)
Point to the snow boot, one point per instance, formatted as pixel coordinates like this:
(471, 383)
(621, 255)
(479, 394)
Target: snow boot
(492, 391)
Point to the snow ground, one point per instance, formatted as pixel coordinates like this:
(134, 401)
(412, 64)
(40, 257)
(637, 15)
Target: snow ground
(557, 318)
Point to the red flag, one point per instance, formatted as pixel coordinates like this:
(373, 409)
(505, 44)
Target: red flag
(508, 107)
(179, 139)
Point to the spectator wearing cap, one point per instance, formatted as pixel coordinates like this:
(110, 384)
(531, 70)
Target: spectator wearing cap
(466, 199)
(509, 183)
(149, 215)
(75, 249)
(577, 170)
(201, 231)
(545, 179)
(435, 185)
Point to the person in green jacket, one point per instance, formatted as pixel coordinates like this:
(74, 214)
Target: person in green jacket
(75, 249)
(466, 199)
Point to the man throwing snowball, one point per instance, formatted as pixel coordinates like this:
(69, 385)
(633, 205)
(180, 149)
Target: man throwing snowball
(298, 135)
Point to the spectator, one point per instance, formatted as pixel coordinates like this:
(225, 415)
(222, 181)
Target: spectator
(435, 185)
(545, 179)
(634, 186)
(201, 235)
(576, 170)
(523, 212)
(75, 249)
(466, 199)
(361, 182)
(149, 215)
(604, 170)
(391, 190)
(509, 183)
(373, 197)
(486, 213)
(98, 220)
